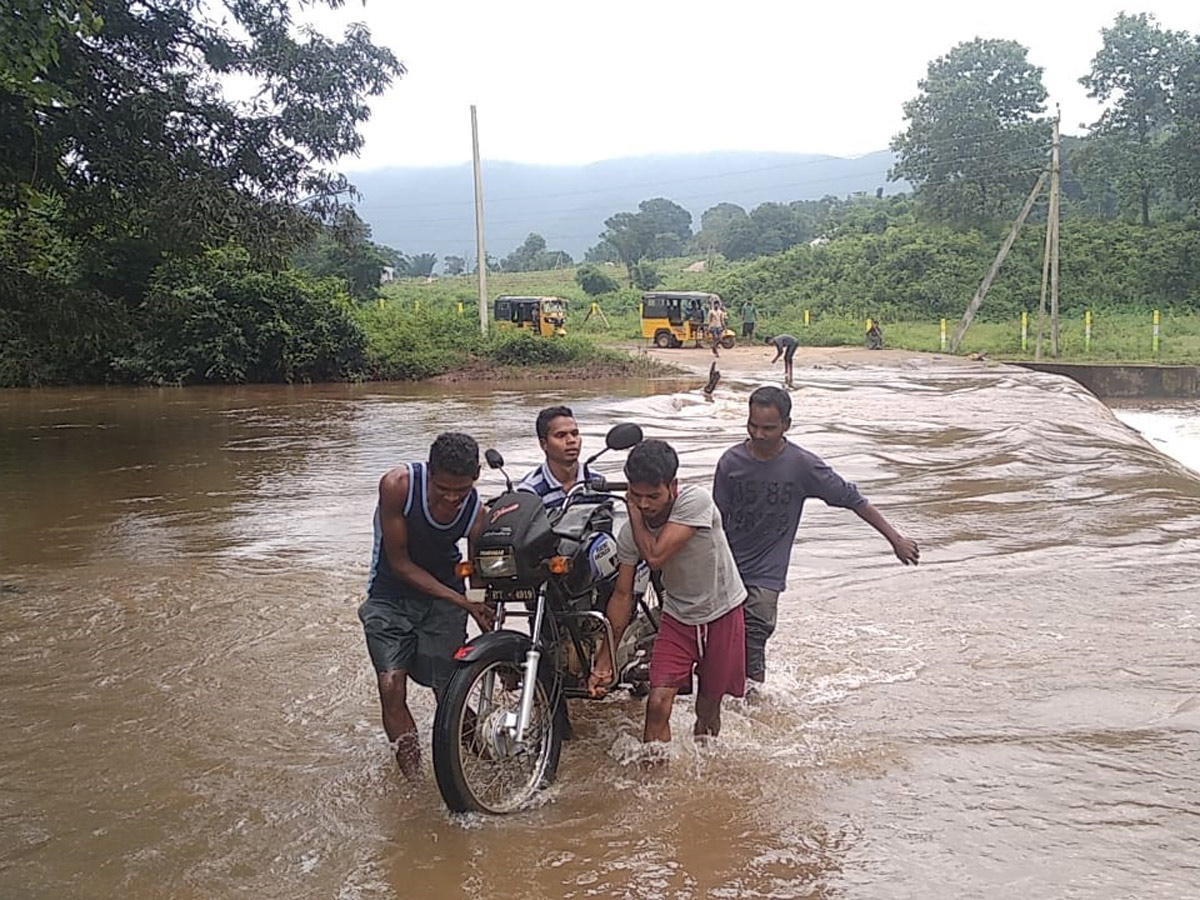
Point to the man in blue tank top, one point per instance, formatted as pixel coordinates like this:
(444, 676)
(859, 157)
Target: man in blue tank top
(415, 615)
(760, 487)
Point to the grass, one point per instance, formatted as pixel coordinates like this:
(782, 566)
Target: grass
(1117, 336)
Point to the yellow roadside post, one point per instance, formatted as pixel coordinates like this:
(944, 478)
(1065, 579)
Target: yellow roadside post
(1087, 332)
(1024, 331)
(1154, 340)
(943, 335)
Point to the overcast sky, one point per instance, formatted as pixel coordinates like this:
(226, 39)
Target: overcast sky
(564, 82)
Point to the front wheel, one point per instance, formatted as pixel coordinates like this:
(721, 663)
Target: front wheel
(478, 763)
(727, 341)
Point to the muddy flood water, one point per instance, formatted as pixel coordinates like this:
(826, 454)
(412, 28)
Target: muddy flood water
(188, 710)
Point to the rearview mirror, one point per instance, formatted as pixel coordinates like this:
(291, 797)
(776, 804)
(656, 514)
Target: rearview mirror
(623, 436)
(494, 459)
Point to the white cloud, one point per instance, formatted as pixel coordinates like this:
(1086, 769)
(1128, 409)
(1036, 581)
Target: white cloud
(567, 83)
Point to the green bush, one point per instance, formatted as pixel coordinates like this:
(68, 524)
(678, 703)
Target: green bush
(218, 319)
(593, 281)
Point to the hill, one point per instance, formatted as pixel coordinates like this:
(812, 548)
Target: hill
(419, 210)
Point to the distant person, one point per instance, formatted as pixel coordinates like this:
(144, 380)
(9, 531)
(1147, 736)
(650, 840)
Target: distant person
(558, 434)
(874, 336)
(760, 487)
(785, 345)
(718, 320)
(677, 530)
(415, 615)
(749, 317)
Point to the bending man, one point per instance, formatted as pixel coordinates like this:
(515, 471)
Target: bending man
(415, 615)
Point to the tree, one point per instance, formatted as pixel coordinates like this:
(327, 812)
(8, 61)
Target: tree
(629, 234)
(345, 251)
(1135, 73)
(667, 217)
(532, 256)
(593, 281)
(1183, 143)
(645, 276)
(976, 138)
(715, 222)
(422, 264)
(149, 150)
(454, 265)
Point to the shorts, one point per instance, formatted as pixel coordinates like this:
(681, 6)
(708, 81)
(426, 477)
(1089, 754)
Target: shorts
(747, 329)
(717, 651)
(415, 633)
(716, 333)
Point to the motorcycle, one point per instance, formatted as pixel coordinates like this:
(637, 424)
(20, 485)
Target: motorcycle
(501, 720)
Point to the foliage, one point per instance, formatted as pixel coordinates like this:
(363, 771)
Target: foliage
(925, 271)
(1186, 138)
(217, 318)
(646, 277)
(975, 138)
(593, 281)
(532, 256)
(345, 251)
(1134, 73)
(453, 265)
(118, 111)
(421, 265)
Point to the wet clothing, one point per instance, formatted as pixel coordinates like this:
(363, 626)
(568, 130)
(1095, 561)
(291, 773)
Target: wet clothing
(700, 581)
(761, 503)
(787, 344)
(541, 481)
(716, 650)
(761, 611)
(406, 628)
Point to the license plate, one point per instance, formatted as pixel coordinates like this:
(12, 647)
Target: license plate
(510, 595)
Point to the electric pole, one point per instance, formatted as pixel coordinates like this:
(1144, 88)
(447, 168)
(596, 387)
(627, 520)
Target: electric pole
(1050, 262)
(480, 252)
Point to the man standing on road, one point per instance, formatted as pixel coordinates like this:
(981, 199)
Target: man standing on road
(749, 317)
(558, 434)
(677, 530)
(785, 346)
(415, 615)
(760, 487)
(718, 319)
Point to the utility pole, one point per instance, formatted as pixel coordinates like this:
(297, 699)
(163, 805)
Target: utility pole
(977, 300)
(1054, 203)
(481, 253)
(1050, 260)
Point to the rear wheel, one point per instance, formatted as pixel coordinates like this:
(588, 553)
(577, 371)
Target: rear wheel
(663, 340)
(478, 763)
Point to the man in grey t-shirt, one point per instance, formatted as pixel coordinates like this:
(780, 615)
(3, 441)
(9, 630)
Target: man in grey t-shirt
(760, 487)
(677, 530)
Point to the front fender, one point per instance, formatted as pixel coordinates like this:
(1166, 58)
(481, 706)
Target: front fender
(504, 644)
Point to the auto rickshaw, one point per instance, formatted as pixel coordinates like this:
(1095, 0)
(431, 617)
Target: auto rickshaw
(544, 316)
(669, 318)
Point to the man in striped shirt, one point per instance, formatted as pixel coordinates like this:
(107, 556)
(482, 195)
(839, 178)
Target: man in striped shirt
(559, 436)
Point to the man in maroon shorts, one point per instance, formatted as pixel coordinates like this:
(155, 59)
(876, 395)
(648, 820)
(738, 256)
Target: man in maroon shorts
(677, 530)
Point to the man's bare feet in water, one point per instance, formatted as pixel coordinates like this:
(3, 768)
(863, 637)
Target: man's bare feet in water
(408, 755)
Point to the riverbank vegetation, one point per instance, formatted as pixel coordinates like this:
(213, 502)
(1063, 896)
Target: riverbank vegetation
(154, 231)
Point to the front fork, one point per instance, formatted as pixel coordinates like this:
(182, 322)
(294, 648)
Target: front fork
(533, 656)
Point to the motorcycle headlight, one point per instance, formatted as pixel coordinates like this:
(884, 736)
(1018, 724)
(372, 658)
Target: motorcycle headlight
(498, 564)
